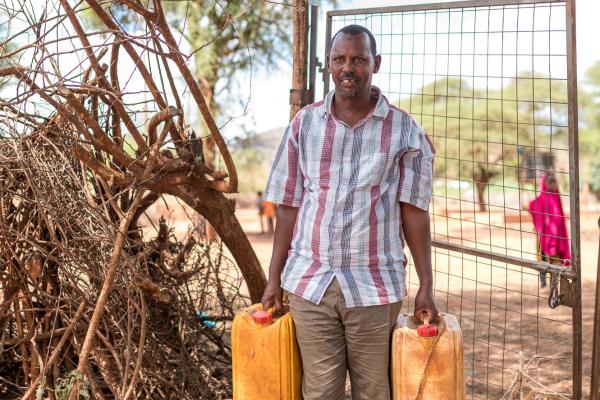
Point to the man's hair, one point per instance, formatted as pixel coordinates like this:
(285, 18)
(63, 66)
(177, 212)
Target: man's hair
(357, 30)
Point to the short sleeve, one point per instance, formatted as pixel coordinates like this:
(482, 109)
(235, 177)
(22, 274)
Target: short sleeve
(285, 184)
(416, 169)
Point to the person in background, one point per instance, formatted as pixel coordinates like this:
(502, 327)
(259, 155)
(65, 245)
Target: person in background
(269, 212)
(549, 222)
(261, 210)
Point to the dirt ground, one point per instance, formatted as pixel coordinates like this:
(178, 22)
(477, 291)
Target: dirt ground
(504, 314)
(502, 309)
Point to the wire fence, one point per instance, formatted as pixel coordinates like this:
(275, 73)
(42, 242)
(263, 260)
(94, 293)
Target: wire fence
(488, 81)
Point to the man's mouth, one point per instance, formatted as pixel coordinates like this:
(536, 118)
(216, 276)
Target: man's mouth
(349, 81)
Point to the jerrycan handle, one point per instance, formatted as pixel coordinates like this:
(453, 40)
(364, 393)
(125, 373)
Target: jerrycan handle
(427, 329)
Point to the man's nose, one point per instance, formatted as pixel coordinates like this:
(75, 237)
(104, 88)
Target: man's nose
(348, 66)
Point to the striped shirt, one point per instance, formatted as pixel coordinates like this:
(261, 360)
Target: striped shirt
(348, 183)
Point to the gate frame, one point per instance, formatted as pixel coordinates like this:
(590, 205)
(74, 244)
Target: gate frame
(572, 274)
(595, 381)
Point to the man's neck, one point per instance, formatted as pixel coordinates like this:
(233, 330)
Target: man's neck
(351, 111)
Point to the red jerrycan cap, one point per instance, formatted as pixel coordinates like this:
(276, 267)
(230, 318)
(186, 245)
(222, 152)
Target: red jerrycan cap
(427, 330)
(262, 317)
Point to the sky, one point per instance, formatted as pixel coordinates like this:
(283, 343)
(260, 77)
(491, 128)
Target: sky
(269, 100)
(267, 92)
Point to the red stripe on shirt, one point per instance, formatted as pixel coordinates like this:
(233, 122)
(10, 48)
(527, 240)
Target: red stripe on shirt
(386, 133)
(292, 161)
(386, 137)
(373, 258)
(324, 184)
(430, 144)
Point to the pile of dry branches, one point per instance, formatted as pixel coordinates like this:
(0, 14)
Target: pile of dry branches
(92, 303)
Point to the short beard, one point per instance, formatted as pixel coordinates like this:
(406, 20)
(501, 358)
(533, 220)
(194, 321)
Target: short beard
(347, 93)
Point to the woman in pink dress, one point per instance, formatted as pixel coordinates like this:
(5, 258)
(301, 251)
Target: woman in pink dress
(549, 222)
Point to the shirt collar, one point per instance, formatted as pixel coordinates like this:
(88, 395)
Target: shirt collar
(381, 110)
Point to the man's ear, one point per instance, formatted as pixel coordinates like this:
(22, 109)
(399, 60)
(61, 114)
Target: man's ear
(377, 63)
(327, 62)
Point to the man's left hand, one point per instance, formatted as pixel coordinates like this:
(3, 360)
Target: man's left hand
(425, 309)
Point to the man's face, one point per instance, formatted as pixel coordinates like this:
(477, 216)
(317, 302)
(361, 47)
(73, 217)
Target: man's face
(352, 65)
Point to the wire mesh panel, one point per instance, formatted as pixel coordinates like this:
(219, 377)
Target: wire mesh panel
(488, 82)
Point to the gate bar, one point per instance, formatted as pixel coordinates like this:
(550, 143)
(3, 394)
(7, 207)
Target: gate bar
(574, 195)
(539, 266)
(326, 58)
(595, 388)
(438, 6)
(312, 50)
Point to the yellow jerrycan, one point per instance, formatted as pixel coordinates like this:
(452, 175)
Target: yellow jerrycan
(265, 356)
(427, 359)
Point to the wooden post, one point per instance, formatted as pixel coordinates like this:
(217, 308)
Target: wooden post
(298, 94)
(595, 388)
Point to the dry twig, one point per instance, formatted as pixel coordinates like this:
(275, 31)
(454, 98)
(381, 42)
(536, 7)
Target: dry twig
(90, 296)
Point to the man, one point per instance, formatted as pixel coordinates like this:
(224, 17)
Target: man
(353, 180)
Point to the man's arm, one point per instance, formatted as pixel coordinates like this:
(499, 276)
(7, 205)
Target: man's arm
(284, 230)
(415, 224)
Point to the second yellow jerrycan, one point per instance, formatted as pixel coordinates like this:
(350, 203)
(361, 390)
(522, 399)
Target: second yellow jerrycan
(265, 356)
(427, 360)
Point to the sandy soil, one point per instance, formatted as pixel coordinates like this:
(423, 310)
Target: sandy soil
(503, 313)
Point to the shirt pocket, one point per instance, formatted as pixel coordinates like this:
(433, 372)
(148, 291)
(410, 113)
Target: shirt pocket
(372, 169)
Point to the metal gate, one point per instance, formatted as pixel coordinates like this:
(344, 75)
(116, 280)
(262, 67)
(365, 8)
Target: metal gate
(493, 83)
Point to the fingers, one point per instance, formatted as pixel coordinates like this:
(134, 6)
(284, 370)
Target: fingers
(425, 308)
(425, 315)
(278, 302)
(273, 298)
(274, 303)
(422, 314)
(267, 303)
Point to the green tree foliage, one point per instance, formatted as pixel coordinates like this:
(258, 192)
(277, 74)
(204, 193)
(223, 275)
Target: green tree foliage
(589, 112)
(253, 167)
(481, 133)
(231, 36)
(594, 179)
(225, 37)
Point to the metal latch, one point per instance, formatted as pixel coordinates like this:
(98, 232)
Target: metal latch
(561, 291)
(319, 65)
(554, 299)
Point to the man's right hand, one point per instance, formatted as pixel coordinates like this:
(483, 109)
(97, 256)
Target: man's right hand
(273, 296)
(284, 230)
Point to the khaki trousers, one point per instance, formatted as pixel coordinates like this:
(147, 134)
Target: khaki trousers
(334, 339)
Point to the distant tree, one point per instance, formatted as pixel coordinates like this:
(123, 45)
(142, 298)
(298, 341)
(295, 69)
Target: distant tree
(594, 179)
(232, 35)
(225, 38)
(589, 111)
(592, 83)
(477, 132)
(251, 163)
